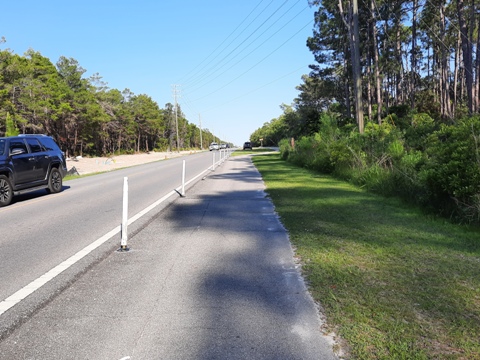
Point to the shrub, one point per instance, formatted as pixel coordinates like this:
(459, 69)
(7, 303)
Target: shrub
(452, 173)
(302, 154)
(422, 126)
(435, 166)
(285, 148)
(376, 142)
(409, 183)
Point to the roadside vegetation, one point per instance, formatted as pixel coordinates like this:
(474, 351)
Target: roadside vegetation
(84, 115)
(394, 282)
(383, 109)
(432, 165)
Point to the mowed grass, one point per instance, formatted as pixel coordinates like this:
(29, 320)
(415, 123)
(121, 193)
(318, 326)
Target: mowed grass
(256, 150)
(393, 282)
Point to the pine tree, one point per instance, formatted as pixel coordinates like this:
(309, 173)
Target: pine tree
(11, 128)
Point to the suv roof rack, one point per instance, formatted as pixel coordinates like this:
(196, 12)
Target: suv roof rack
(31, 135)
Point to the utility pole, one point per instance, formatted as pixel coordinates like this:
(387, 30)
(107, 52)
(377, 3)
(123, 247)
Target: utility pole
(200, 123)
(176, 114)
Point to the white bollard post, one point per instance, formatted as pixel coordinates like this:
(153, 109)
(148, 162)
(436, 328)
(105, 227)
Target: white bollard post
(183, 179)
(123, 243)
(213, 161)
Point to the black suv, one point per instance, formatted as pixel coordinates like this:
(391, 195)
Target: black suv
(247, 145)
(28, 163)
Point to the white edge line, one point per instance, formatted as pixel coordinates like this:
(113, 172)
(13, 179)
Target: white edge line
(36, 284)
(42, 280)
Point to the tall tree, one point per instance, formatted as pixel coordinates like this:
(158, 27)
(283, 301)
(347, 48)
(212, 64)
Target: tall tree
(466, 52)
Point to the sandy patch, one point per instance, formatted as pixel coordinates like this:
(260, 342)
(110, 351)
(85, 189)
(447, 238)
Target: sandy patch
(86, 165)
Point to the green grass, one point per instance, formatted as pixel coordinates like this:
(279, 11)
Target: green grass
(393, 283)
(254, 151)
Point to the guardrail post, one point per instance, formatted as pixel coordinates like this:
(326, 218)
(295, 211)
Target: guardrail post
(123, 243)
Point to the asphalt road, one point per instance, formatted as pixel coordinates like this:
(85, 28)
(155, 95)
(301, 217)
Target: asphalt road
(40, 231)
(209, 276)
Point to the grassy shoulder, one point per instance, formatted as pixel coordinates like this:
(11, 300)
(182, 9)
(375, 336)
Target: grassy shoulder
(394, 283)
(254, 151)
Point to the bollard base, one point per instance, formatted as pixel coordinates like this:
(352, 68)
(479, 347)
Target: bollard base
(123, 248)
(179, 193)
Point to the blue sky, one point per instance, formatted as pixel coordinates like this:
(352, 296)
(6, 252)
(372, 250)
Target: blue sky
(233, 62)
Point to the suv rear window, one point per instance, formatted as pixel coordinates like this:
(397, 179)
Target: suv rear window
(48, 143)
(34, 145)
(2, 146)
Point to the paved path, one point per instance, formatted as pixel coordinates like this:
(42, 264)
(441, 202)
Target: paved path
(211, 277)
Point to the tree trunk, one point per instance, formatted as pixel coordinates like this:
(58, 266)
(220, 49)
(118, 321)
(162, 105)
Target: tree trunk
(120, 141)
(347, 23)
(399, 74)
(477, 72)
(353, 32)
(467, 54)
(413, 84)
(369, 81)
(443, 69)
(376, 57)
(455, 76)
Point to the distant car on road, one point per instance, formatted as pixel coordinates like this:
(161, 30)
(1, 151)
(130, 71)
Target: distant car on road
(247, 145)
(213, 146)
(223, 146)
(28, 163)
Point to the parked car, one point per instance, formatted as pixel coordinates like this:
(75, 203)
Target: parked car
(247, 145)
(28, 163)
(213, 146)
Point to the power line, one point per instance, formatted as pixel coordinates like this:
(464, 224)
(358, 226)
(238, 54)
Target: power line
(212, 53)
(258, 63)
(256, 48)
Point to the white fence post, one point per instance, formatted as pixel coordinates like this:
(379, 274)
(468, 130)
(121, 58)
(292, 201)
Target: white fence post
(213, 161)
(183, 179)
(123, 243)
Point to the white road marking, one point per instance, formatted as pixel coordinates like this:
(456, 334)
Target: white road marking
(36, 284)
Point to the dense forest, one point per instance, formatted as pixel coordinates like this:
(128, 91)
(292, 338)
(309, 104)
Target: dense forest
(83, 115)
(392, 102)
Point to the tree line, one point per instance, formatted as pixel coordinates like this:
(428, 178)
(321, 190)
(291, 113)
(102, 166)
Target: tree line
(82, 114)
(419, 100)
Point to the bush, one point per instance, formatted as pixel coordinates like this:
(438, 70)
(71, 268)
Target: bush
(437, 167)
(285, 148)
(302, 154)
(409, 183)
(452, 173)
(421, 127)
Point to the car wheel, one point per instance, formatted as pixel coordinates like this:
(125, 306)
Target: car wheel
(6, 191)
(54, 181)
